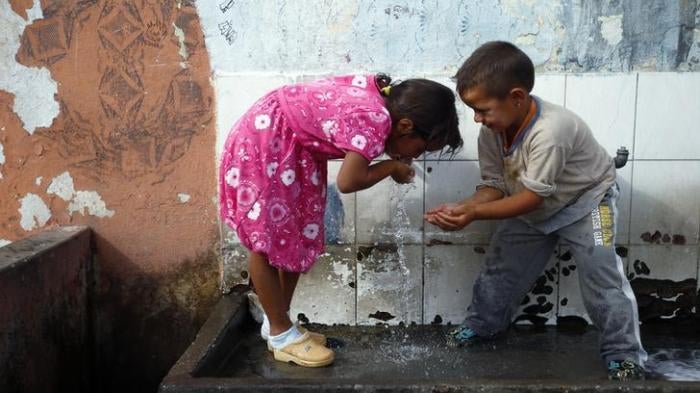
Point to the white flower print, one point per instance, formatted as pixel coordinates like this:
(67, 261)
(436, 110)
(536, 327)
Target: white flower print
(276, 145)
(271, 168)
(254, 212)
(232, 177)
(314, 178)
(288, 177)
(262, 121)
(359, 141)
(356, 92)
(323, 96)
(311, 231)
(377, 117)
(260, 241)
(330, 127)
(278, 211)
(359, 81)
(246, 195)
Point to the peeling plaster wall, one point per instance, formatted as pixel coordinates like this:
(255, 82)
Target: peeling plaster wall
(434, 36)
(106, 120)
(622, 65)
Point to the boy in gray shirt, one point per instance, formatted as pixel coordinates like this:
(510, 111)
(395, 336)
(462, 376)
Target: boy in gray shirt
(544, 174)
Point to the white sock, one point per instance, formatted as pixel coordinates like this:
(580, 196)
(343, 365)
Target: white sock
(283, 339)
(265, 328)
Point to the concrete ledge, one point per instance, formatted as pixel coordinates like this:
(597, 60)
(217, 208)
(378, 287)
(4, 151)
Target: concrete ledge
(46, 339)
(229, 356)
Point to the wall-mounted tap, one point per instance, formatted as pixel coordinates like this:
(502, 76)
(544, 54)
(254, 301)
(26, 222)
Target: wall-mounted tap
(621, 157)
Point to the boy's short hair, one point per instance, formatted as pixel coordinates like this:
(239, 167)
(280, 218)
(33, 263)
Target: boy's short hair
(497, 67)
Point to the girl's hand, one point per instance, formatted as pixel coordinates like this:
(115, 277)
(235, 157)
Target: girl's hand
(402, 173)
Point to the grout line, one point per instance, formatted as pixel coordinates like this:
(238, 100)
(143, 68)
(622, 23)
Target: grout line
(633, 154)
(356, 249)
(422, 279)
(566, 80)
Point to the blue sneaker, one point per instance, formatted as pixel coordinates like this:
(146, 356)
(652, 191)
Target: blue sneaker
(624, 370)
(462, 336)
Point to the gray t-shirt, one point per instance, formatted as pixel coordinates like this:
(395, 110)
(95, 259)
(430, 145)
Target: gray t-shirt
(556, 157)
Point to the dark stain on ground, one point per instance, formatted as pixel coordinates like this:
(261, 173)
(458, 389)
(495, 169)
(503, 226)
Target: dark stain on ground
(302, 318)
(436, 242)
(479, 250)
(525, 301)
(538, 308)
(532, 318)
(564, 301)
(437, 320)
(666, 238)
(382, 316)
(652, 238)
(541, 287)
(678, 240)
(365, 251)
(566, 256)
(429, 169)
(640, 267)
(352, 284)
(571, 324)
(621, 251)
(658, 298)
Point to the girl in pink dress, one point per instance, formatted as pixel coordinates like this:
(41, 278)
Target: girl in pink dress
(274, 168)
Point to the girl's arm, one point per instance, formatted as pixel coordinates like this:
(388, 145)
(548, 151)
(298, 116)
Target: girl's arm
(357, 174)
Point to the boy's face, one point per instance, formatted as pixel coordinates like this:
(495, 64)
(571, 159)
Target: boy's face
(498, 114)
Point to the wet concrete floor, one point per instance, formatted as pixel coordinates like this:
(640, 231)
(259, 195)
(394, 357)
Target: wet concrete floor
(419, 353)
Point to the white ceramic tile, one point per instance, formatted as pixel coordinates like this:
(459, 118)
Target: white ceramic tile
(389, 284)
(450, 272)
(389, 212)
(340, 223)
(235, 94)
(624, 181)
(606, 104)
(668, 114)
(452, 181)
(540, 303)
(665, 199)
(664, 279)
(326, 294)
(550, 88)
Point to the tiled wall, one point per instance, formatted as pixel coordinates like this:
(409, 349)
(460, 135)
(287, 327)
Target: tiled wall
(428, 277)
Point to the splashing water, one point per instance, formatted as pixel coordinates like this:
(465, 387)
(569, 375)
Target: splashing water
(400, 229)
(675, 364)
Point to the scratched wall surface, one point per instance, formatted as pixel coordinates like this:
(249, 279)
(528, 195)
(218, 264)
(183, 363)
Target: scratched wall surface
(626, 67)
(432, 36)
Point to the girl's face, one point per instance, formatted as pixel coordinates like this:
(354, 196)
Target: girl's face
(405, 143)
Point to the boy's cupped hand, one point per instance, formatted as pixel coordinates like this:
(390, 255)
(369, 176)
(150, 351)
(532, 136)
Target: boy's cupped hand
(450, 216)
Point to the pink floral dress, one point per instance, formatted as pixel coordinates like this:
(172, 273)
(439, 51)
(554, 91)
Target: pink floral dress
(273, 172)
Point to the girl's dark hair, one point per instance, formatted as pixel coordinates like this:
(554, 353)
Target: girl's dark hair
(429, 105)
(497, 67)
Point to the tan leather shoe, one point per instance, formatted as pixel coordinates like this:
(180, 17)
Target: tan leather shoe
(317, 337)
(305, 352)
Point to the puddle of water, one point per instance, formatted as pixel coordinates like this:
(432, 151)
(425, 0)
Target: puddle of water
(674, 364)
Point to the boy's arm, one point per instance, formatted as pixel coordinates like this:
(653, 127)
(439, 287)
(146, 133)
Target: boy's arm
(357, 174)
(482, 195)
(521, 203)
